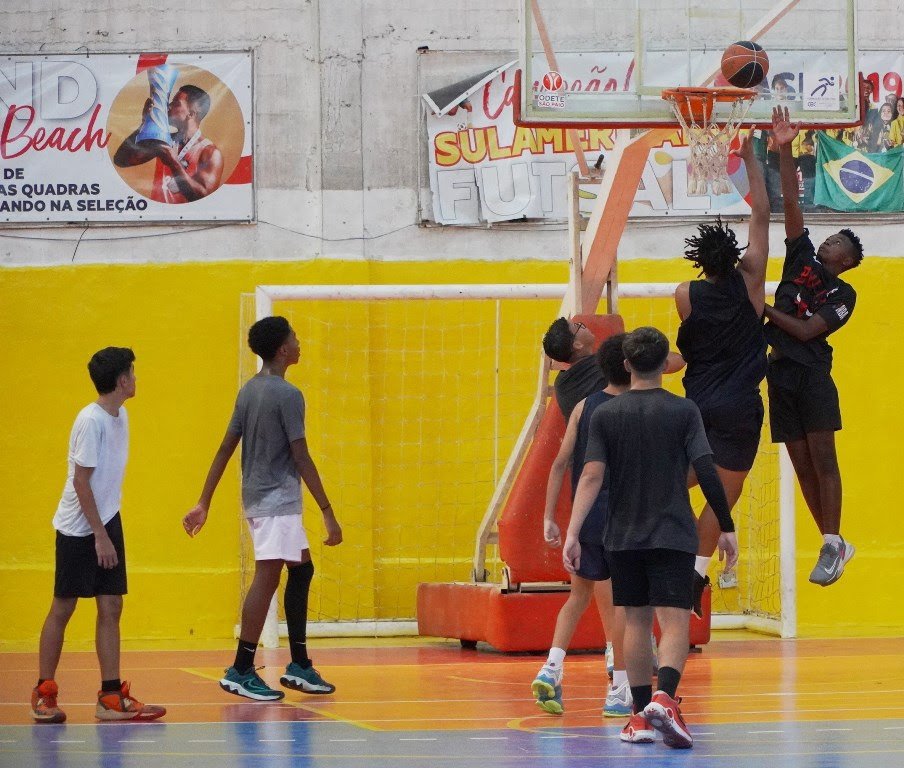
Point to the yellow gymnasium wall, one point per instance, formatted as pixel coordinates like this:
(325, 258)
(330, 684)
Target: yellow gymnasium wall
(183, 323)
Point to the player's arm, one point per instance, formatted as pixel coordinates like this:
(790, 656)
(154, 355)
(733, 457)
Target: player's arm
(674, 362)
(784, 132)
(683, 299)
(197, 516)
(204, 181)
(311, 477)
(753, 265)
(800, 328)
(714, 493)
(81, 482)
(551, 532)
(589, 487)
(132, 152)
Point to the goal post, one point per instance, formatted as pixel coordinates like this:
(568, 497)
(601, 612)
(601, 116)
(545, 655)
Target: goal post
(416, 395)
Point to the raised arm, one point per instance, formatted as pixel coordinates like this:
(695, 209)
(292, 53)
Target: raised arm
(783, 132)
(551, 533)
(753, 265)
(801, 328)
(197, 516)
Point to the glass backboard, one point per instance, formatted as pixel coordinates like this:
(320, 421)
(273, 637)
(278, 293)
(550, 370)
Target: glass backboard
(586, 62)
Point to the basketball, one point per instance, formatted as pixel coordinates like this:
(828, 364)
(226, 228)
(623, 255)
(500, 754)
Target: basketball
(745, 64)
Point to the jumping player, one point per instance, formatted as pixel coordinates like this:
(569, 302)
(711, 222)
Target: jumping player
(721, 338)
(811, 303)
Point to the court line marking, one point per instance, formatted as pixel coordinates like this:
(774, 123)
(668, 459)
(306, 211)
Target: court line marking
(67, 741)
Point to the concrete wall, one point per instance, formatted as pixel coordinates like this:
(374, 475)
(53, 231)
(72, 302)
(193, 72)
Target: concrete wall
(338, 121)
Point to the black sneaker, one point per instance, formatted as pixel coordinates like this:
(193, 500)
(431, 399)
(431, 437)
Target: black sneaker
(700, 583)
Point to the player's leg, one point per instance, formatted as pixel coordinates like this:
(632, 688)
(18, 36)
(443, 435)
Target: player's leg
(300, 673)
(114, 699)
(670, 575)
(618, 698)
(547, 686)
(835, 552)
(44, 707)
(807, 478)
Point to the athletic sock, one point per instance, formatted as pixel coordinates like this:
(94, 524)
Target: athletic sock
(555, 660)
(244, 656)
(832, 538)
(110, 686)
(619, 678)
(701, 564)
(295, 602)
(642, 695)
(668, 680)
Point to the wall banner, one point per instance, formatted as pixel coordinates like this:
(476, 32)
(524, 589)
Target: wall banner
(126, 138)
(483, 168)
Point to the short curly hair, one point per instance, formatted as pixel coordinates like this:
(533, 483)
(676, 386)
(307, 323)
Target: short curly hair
(856, 245)
(714, 250)
(266, 336)
(611, 359)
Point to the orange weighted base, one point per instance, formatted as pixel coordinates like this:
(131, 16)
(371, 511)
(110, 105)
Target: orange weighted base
(515, 621)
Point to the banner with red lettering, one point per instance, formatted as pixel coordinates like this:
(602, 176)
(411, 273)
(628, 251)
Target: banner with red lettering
(126, 138)
(485, 169)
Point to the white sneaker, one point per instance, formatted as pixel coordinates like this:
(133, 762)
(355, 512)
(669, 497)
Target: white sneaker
(619, 702)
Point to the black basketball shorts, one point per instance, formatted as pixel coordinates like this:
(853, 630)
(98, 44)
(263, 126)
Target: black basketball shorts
(733, 431)
(77, 571)
(657, 577)
(594, 565)
(801, 400)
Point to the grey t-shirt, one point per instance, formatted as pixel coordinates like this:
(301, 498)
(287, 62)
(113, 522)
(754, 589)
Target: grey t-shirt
(269, 417)
(648, 439)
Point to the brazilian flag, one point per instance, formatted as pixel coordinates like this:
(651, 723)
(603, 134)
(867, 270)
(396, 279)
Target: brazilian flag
(850, 180)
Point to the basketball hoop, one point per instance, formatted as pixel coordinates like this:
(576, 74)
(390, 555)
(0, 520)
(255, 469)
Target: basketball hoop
(709, 135)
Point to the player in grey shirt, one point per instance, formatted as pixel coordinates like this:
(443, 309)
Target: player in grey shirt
(269, 421)
(648, 438)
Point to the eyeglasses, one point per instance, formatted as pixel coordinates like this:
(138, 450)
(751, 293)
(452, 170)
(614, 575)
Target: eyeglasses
(577, 327)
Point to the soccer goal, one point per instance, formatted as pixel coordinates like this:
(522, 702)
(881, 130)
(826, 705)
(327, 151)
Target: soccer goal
(415, 396)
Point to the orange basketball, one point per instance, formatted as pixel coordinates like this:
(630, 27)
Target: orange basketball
(745, 64)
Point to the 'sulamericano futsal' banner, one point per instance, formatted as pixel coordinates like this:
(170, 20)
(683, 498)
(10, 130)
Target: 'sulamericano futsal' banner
(126, 138)
(483, 168)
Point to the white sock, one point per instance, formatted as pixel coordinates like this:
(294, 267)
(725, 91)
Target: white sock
(701, 565)
(832, 538)
(556, 658)
(619, 678)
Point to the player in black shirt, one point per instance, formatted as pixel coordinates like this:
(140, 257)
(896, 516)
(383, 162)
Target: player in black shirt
(721, 338)
(811, 302)
(572, 342)
(648, 439)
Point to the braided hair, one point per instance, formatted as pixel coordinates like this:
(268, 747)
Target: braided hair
(714, 251)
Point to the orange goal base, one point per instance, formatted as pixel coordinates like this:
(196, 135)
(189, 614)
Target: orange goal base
(516, 621)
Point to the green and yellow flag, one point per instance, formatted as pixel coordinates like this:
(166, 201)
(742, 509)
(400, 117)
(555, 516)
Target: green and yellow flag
(850, 180)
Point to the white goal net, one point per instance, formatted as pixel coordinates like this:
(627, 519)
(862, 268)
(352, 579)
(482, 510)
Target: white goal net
(415, 396)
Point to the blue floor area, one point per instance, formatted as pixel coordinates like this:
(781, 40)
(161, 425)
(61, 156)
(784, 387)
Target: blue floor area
(817, 744)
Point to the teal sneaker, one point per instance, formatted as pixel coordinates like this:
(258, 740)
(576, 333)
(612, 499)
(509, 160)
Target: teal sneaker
(250, 685)
(305, 680)
(548, 692)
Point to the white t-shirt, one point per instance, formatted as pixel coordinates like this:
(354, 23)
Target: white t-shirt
(101, 441)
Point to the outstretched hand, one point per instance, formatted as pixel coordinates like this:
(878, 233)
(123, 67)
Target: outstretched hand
(745, 148)
(783, 130)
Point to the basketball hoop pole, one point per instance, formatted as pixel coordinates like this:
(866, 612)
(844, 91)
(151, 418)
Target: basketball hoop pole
(551, 59)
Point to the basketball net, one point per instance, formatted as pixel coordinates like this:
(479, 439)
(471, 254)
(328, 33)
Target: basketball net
(709, 136)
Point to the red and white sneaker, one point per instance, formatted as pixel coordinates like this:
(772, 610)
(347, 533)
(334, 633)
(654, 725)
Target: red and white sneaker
(121, 705)
(663, 714)
(638, 731)
(44, 707)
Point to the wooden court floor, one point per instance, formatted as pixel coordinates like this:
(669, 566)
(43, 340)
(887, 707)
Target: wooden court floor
(404, 704)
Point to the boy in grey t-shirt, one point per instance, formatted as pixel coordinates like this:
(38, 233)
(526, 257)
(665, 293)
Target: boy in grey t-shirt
(269, 421)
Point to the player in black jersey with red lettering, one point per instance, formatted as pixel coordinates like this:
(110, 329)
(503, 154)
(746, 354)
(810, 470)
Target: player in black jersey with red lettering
(811, 302)
(721, 338)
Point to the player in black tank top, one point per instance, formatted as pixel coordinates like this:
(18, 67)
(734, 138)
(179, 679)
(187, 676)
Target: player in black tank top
(721, 338)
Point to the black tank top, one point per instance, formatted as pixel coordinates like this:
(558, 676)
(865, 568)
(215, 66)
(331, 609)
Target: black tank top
(595, 523)
(723, 343)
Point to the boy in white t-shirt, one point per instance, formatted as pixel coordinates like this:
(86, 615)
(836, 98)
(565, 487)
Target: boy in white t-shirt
(269, 422)
(90, 552)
